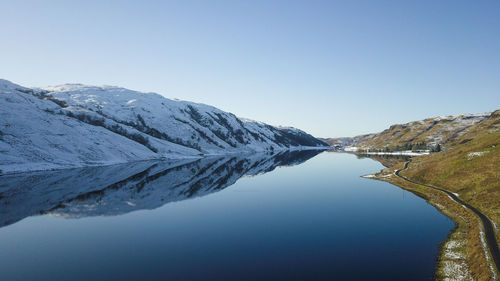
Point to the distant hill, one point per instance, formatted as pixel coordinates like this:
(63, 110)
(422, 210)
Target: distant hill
(447, 131)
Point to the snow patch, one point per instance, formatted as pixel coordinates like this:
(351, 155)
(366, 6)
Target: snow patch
(482, 236)
(472, 155)
(399, 153)
(454, 266)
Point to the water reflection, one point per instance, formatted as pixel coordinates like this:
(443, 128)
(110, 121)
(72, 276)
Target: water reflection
(120, 189)
(386, 160)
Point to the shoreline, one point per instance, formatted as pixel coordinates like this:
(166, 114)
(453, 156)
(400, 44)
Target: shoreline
(361, 151)
(464, 254)
(487, 233)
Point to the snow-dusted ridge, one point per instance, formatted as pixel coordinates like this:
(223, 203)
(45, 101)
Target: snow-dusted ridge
(75, 125)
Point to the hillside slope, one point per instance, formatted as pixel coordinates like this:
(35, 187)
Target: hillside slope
(75, 125)
(471, 168)
(446, 131)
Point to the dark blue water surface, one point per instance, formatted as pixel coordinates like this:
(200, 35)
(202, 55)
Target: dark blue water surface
(291, 216)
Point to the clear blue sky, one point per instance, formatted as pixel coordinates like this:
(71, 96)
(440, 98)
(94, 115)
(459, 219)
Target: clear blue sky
(332, 68)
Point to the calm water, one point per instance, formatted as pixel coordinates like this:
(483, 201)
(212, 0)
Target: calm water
(294, 216)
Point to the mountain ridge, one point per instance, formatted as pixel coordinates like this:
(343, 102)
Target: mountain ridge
(75, 125)
(447, 131)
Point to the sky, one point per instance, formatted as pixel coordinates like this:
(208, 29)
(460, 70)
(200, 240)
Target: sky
(331, 68)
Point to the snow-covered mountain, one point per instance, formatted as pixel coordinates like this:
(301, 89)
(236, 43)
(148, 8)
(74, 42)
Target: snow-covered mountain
(74, 125)
(123, 188)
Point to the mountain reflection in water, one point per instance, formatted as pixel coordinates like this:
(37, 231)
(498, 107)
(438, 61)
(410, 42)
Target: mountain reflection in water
(120, 189)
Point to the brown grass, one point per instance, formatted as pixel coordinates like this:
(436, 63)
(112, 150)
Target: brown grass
(476, 178)
(450, 133)
(467, 225)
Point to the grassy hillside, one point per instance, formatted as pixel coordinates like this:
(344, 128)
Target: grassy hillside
(471, 168)
(446, 131)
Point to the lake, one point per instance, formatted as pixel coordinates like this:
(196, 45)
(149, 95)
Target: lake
(301, 215)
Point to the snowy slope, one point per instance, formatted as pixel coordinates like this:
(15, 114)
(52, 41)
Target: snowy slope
(75, 125)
